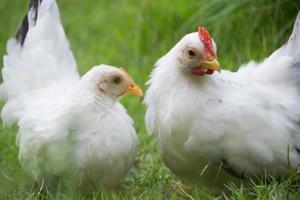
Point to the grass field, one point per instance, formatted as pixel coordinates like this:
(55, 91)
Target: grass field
(134, 34)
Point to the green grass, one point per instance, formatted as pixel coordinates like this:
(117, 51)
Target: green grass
(134, 34)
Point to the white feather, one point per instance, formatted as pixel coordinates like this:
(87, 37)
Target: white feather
(66, 127)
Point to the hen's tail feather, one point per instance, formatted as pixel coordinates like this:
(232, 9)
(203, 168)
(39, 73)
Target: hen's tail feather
(23, 29)
(39, 58)
(292, 47)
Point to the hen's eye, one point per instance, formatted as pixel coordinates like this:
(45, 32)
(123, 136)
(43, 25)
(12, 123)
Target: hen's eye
(116, 80)
(191, 53)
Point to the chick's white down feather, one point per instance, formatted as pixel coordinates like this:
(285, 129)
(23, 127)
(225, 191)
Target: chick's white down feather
(66, 126)
(247, 121)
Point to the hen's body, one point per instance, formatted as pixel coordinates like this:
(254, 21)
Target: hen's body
(247, 122)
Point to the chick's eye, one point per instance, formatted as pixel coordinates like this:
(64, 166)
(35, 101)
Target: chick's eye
(116, 80)
(191, 53)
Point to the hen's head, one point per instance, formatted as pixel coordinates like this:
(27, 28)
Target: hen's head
(197, 53)
(111, 81)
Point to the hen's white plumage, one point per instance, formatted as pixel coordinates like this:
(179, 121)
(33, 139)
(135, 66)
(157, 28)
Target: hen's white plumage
(247, 122)
(67, 126)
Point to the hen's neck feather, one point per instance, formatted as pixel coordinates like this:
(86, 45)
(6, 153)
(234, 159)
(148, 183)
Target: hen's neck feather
(86, 97)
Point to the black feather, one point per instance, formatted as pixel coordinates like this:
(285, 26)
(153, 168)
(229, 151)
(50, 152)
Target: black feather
(23, 28)
(22, 31)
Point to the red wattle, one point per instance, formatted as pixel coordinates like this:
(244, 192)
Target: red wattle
(198, 71)
(209, 71)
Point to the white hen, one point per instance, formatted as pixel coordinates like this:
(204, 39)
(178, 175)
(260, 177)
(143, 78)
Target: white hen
(67, 126)
(245, 121)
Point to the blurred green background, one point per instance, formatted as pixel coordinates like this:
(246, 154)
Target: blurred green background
(134, 34)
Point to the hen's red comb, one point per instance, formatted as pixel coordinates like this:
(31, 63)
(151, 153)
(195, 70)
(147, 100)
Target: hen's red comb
(206, 41)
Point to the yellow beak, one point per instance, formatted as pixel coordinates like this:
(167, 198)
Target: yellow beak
(212, 64)
(135, 90)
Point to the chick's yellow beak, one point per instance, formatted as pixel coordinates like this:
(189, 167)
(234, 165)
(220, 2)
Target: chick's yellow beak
(135, 90)
(211, 64)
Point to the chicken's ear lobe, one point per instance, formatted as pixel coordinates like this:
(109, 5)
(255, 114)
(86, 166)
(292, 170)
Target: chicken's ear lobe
(206, 40)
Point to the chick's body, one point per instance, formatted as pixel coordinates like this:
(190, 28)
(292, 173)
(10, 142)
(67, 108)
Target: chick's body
(93, 139)
(68, 126)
